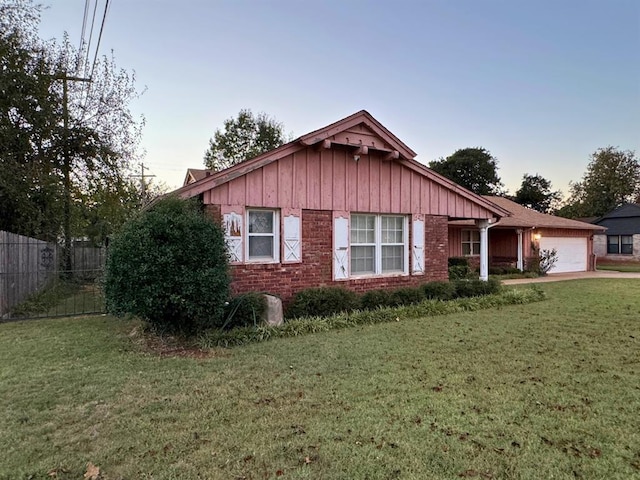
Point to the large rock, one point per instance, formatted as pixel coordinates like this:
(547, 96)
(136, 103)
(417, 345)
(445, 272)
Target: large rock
(273, 314)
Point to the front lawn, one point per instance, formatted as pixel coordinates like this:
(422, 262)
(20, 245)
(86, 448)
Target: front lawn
(545, 390)
(620, 267)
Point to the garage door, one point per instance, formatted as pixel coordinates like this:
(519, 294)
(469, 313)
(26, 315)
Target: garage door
(572, 253)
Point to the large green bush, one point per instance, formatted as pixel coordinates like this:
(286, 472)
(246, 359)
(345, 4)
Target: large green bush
(322, 302)
(169, 266)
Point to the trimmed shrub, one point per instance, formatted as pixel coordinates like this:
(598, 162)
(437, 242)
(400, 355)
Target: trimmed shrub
(322, 302)
(303, 326)
(244, 310)
(476, 287)
(375, 299)
(457, 272)
(169, 266)
(438, 290)
(406, 296)
(458, 261)
(505, 270)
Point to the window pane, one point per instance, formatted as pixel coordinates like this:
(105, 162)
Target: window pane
(392, 229)
(476, 248)
(363, 228)
(260, 247)
(466, 235)
(626, 246)
(476, 235)
(362, 260)
(260, 222)
(612, 244)
(466, 249)
(612, 239)
(393, 259)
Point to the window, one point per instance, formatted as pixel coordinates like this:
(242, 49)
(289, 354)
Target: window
(470, 242)
(262, 236)
(378, 244)
(620, 244)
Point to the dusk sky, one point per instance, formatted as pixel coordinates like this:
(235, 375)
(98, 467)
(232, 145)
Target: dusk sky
(540, 84)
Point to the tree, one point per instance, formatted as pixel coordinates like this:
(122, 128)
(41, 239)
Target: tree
(472, 168)
(535, 192)
(612, 178)
(61, 140)
(30, 184)
(243, 138)
(169, 266)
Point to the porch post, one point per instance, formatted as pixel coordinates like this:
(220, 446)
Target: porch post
(520, 264)
(483, 225)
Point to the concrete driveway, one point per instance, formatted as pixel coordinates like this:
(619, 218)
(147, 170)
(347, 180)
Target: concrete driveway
(558, 277)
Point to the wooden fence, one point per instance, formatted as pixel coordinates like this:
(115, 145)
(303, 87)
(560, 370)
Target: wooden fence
(28, 265)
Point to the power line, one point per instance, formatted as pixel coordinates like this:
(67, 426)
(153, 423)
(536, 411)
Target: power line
(93, 21)
(104, 18)
(84, 28)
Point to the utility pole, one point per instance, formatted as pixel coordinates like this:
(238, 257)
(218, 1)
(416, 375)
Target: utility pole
(66, 167)
(142, 176)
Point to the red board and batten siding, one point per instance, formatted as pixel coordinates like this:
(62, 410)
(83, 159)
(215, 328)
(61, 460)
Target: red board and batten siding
(315, 269)
(332, 180)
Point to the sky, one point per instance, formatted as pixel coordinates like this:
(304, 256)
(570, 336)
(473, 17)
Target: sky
(540, 84)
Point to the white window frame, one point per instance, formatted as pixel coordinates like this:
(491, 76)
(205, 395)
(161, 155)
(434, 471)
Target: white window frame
(471, 242)
(275, 258)
(378, 244)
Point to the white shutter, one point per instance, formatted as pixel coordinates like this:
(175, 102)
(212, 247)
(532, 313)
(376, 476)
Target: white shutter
(291, 239)
(233, 226)
(340, 248)
(417, 267)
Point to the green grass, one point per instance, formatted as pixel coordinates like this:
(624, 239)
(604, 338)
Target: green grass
(544, 390)
(620, 267)
(61, 299)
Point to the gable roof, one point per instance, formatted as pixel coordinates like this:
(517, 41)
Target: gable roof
(523, 217)
(624, 211)
(386, 143)
(195, 174)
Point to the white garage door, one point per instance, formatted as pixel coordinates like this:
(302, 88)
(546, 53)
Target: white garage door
(572, 253)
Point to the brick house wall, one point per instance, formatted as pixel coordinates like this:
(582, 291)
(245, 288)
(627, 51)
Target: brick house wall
(315, 270)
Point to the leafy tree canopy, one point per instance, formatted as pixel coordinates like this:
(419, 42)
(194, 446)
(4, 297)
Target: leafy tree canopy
(59, 163)
(243, 138)
(535, 192)
(612, 179)
(473, 168)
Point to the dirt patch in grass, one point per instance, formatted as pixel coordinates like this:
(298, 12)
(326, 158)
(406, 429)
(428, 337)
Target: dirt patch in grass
(168, 346)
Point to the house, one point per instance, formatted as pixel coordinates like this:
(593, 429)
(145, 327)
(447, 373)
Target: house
(514, 239)
(622, 238)
(347, 205)
(195, 174)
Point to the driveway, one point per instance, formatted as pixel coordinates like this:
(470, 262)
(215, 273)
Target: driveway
(558, 277)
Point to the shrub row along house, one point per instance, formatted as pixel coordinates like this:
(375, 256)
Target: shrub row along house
(346, 205)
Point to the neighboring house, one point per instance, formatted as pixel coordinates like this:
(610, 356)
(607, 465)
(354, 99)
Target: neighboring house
(622, 238)
(514, 239)
(344, 205)
(195, 174)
